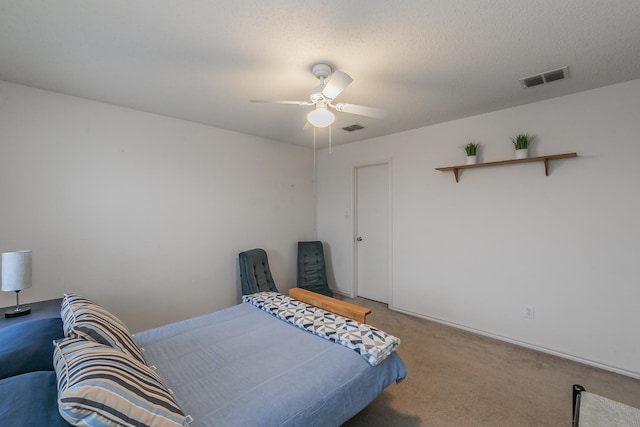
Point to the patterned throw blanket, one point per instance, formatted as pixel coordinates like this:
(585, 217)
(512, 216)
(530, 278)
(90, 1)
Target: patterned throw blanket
(372, 344)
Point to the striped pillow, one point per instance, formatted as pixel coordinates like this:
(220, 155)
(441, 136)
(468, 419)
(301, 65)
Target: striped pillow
(82, 318)
(99, 386)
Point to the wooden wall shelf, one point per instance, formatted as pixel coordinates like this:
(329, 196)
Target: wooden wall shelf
(544, 159)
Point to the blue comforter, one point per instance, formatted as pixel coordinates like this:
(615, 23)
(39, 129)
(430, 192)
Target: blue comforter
(242, 367)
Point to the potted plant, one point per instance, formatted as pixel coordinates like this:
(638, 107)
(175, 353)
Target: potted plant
(472, 152)
(521, 142)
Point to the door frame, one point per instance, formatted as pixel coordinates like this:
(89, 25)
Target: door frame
(354, 224)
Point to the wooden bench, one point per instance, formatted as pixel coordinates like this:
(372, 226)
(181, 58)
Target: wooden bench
(333, 305)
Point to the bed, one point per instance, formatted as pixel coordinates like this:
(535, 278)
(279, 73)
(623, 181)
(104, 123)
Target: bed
(241, 366)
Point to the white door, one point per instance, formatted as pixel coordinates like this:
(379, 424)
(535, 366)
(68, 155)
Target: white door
(372, 232)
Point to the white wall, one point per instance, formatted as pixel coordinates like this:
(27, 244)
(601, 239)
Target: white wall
(142, 213)
(474, 253)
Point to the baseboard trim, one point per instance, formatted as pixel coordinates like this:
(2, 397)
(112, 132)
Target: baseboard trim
(571, 357)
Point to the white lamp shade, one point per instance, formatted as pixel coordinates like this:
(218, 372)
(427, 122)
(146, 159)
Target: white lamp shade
(321, 117)
(16, 270)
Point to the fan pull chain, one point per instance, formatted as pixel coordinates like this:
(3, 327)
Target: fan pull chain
(329, 139)
(314, 155)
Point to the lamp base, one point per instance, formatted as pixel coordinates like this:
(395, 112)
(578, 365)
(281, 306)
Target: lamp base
(17, 312)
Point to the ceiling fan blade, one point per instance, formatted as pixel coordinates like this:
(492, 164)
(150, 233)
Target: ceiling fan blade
(268, 101)
(361, 110)
(339, 81)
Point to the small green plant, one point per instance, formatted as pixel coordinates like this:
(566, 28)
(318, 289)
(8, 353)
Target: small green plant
(522, 140)
(471, 148)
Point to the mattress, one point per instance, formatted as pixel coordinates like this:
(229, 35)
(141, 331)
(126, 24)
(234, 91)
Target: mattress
(243, 367)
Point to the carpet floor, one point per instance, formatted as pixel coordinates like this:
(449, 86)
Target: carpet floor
(458, 378)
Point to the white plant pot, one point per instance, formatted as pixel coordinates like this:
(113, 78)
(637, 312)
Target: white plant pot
(472, 160)
(522, 153)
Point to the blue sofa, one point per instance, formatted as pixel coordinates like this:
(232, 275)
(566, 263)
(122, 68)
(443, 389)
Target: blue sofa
(28, 394)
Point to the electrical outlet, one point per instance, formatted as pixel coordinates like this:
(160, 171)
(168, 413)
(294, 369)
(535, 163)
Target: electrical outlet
(529, 311)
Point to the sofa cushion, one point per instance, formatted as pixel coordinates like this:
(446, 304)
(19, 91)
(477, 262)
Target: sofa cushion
(99, 385)
(30, 399)
(82, 318)
(27, 346)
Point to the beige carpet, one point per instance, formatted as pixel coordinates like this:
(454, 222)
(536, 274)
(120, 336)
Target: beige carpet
(457, 378)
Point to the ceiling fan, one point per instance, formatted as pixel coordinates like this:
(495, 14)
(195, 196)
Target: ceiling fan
(323, 95)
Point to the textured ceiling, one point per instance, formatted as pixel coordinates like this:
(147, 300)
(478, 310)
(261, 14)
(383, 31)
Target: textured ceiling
(426, 62)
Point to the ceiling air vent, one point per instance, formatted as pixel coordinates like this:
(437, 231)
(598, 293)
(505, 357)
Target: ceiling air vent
(547, 77)
(353, 127)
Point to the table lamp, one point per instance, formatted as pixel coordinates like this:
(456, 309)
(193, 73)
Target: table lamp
(16, 276)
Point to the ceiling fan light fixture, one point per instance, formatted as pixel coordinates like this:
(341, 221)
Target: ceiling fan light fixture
(321, 117)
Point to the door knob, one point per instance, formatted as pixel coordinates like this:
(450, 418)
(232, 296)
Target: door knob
(359, 239)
